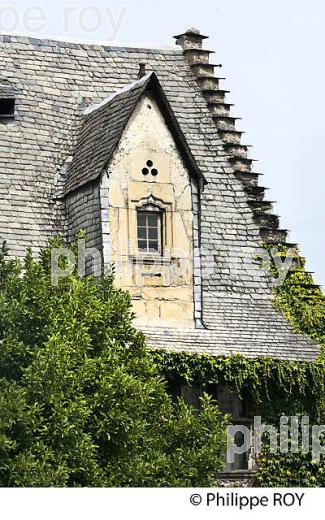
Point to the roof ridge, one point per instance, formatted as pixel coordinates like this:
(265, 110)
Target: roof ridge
(124, 90)
(70, 42)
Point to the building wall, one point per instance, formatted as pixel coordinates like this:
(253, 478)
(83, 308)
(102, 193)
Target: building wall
(161, 286)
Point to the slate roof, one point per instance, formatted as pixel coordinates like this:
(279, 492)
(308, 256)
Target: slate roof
(237, 326)
(103, 126)
(53, 81)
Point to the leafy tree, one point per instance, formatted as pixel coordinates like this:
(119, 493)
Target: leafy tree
(81, 400)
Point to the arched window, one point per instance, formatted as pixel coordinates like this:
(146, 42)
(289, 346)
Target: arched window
(150, 229)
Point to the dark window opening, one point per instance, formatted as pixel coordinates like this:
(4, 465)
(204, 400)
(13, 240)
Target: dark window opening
(149, 231)
(7, 108)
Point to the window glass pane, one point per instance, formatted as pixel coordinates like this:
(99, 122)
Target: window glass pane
(142, 245)
(153, 220)
(142, 232)
(141, 220)
(153, 245)
(149, 231)
(153, 233)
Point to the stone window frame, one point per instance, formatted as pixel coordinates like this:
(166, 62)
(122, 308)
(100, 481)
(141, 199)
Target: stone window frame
(165, 209)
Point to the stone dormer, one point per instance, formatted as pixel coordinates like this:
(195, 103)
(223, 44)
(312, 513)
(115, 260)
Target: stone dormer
(132, 144)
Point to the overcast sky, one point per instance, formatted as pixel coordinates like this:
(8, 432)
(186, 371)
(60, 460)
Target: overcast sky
(272, 53)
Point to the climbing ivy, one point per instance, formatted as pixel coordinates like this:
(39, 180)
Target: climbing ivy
(281, 386)
(302, 303)
(300, 300)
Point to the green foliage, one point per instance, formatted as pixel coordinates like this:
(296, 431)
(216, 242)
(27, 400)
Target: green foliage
(280, 386)
(81, 400)
(300, 300)
(289, 470)
(84, 403)
(303, 305)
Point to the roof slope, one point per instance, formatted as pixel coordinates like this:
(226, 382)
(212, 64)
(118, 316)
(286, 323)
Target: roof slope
(51, 81)
(238, 326)
(103, 126)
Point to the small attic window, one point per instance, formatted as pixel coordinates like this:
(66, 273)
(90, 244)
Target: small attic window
(7, 108)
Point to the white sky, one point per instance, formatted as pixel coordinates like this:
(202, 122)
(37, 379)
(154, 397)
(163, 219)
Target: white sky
(272, 53)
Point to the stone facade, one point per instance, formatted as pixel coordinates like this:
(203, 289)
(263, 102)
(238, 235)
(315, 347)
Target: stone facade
(55, 181)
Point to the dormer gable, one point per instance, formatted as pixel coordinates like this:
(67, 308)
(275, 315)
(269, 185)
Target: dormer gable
(103, 126)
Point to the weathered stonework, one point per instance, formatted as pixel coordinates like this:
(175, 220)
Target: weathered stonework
(82, 209)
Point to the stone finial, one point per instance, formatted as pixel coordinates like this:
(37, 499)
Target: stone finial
(191, 39)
